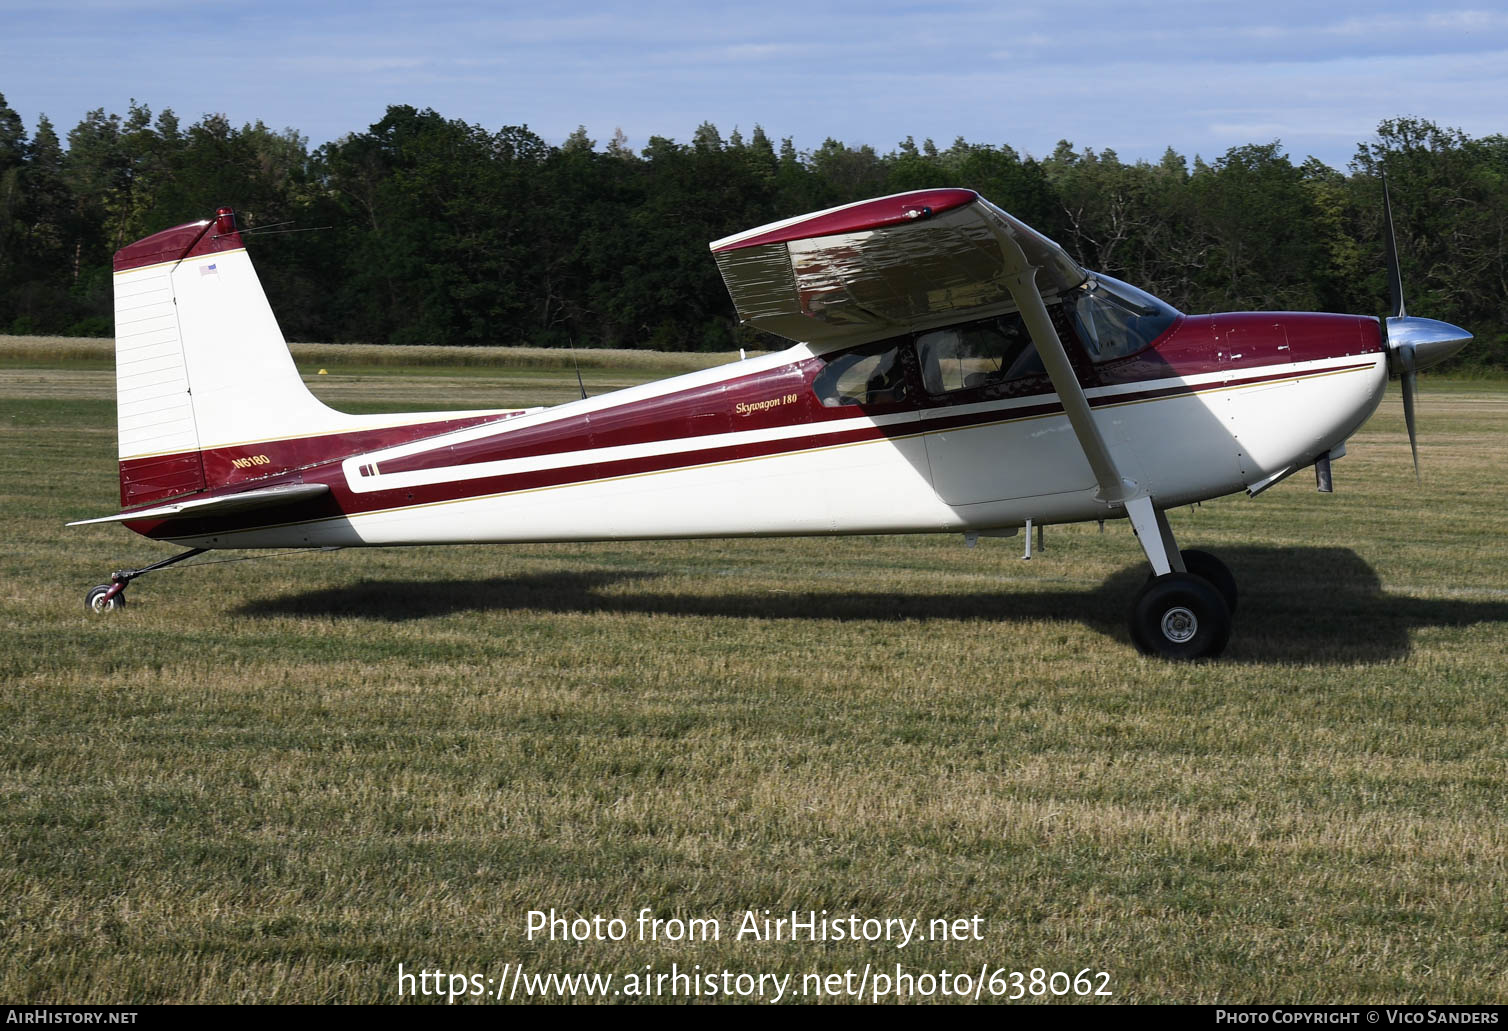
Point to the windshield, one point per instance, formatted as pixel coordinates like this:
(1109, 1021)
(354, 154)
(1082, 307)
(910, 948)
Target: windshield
(1115, 319)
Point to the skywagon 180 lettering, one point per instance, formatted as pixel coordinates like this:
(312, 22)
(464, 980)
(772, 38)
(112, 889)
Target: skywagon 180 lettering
(747, 408)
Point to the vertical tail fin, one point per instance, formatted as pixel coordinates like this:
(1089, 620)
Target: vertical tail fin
(201, 365)
(207, 393)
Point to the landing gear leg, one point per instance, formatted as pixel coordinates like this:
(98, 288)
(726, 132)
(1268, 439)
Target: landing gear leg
(1182, 612)
(110, 596)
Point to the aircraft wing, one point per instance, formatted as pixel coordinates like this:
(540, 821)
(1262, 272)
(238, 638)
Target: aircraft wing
(893, 262)
(909, 260)
(266, 497)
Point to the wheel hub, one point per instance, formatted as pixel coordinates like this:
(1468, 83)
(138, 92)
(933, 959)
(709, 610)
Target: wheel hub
(1179, 624)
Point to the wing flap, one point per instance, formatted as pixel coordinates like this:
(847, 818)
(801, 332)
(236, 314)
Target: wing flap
(265, 497)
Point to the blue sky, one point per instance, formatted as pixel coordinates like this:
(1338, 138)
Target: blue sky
(1135, 77)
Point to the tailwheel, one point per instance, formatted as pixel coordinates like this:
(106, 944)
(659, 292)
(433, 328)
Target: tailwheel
(105, 598)
(1181, 616)
(111, 596)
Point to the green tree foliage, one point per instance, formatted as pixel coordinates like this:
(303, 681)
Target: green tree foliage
(1450, 208)
(436, 225)
(446, 232)
(13, 156)
(1259, 222)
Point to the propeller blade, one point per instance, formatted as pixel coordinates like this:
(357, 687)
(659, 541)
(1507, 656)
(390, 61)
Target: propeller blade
(1409, 379)
(1395, 274)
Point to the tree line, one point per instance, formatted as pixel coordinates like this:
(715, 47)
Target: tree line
(445, 232)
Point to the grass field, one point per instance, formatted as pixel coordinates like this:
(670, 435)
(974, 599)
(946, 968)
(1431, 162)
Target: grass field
(278, 780)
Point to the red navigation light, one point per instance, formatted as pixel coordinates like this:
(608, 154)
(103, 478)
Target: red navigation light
(225, 221)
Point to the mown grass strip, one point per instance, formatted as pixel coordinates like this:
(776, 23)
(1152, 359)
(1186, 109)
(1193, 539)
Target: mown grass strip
(277, 780)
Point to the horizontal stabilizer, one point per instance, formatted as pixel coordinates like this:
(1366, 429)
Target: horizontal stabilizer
(198, 507)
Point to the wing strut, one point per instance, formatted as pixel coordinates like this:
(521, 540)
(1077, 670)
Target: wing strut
(1151, 523)
(1114, 488)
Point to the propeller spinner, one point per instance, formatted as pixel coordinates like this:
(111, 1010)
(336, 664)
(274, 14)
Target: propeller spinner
(1412, 343)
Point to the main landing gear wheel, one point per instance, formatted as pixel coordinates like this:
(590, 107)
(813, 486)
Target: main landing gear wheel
(1180, 616)
(99, 599)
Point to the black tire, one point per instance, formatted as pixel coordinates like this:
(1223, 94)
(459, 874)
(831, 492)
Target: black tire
(1180, 616)
(1207, 566)
(95, 601)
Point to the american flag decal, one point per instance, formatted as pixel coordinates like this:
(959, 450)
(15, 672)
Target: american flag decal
(208, 270)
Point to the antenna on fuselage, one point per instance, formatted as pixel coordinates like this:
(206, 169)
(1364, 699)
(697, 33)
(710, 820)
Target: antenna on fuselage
(577, 365)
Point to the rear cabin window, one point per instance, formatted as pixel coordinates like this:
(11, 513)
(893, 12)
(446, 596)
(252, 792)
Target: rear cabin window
(979, 354)
(869, 375)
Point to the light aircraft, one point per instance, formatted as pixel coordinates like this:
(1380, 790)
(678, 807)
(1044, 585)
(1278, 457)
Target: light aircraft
(954, 371)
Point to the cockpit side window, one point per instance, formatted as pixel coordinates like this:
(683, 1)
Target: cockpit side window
(868, 375)
(977, 354)
(1115, 319)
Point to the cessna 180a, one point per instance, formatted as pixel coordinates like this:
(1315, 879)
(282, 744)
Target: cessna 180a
(953, 371)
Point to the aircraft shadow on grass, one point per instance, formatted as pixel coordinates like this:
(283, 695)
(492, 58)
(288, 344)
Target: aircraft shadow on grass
(1299, 605)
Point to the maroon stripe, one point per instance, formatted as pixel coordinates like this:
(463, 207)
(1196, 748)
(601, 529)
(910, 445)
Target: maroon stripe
(765, 400)
(141, 480)
(666, 420)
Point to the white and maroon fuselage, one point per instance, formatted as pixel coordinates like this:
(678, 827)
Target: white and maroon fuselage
(1216, 404)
